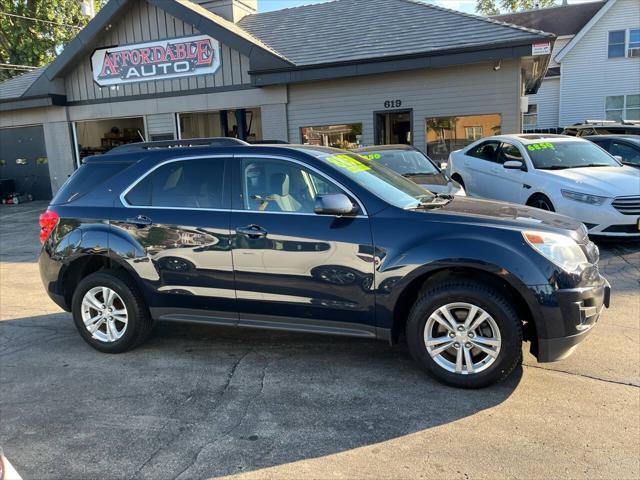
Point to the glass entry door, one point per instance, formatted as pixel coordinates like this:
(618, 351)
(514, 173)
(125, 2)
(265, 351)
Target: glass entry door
(393, 127)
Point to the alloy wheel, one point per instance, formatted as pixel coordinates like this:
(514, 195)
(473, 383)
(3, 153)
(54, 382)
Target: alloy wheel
(104, 314)
(462, 338)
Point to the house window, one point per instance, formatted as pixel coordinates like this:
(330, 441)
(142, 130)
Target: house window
(530, 117)
(633, 50)
(624, 43)
(622, 107)
(341, 136)
(473, 133)
(616, 43)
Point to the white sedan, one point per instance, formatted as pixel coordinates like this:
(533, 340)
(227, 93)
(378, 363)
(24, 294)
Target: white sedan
(562, 174)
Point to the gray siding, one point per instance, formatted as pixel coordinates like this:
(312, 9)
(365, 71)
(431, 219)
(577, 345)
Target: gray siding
(146, 22)
(588, 75)
(548, 101)
(473, 89)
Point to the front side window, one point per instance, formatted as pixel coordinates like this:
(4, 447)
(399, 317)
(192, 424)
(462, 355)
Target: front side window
(486, 151)
(346, 136)
(616, 43)
(509, 153)
(197, 183)
(628, 153)
(572, 154)
(530, 118)
(279, 186)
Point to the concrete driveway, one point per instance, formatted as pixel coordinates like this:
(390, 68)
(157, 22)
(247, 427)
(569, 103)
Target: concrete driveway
(198, 402)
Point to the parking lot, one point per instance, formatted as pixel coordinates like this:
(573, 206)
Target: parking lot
(201, 402)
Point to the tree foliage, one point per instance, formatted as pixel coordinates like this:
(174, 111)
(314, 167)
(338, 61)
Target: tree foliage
(494, 7)
(27, 42)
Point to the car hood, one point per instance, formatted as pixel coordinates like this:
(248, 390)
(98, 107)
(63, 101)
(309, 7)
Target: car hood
(511, 215)
(606, 181)
(437, 183)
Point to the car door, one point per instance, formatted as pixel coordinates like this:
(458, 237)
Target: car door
(509, 184)
(295, 269)
(174, 231)
(478, 163)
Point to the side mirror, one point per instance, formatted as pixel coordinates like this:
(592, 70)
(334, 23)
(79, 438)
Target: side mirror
(334, 204)
(513, 165)
(618, 157)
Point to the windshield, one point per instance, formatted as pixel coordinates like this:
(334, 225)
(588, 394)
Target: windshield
(404, 162)
(379, 180)
(561, 155)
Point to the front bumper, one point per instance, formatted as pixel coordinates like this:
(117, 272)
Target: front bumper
(603, 220)
(576, 313)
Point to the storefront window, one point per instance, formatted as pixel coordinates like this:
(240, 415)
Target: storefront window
(99, 136)
(338, 136)
(446, 134)
(223, 123)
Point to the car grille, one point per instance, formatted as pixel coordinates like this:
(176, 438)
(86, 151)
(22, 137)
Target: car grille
(627, 205)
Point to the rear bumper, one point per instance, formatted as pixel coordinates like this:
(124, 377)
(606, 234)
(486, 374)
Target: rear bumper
(579, 310)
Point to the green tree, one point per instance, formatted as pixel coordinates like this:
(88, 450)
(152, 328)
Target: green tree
(494, 7)
(34, 43)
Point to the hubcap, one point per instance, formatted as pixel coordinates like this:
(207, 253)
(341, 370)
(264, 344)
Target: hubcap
(104, 314)
(462, 338)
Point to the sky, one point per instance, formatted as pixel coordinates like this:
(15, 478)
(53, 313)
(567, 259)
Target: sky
(462, 5)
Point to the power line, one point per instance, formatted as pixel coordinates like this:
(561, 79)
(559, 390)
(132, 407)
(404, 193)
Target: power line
(11, 66)
(40, 20)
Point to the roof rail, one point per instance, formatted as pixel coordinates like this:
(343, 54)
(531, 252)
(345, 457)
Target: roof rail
(188, 142)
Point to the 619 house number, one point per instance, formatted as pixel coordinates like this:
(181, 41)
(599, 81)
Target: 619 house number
(392, 103)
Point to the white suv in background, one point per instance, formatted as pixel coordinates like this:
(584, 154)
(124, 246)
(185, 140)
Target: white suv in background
(562, 174)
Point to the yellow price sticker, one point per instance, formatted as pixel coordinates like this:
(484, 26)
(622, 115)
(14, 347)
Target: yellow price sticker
(372, 156)
(348, 163)
(540, 146)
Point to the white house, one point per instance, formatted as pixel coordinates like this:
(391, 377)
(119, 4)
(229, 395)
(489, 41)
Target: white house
(594, 71)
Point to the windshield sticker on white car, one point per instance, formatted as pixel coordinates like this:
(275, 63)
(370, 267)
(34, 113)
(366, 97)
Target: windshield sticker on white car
(372, 156)
(348, 163)
(541, 146)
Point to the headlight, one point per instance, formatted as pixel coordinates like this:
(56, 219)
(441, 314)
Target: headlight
(583, 197)
(559, 249)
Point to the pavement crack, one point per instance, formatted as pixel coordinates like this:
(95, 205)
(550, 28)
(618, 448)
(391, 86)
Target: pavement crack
(590, 377)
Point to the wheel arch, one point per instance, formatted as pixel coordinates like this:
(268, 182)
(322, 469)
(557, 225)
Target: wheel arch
(425, 280)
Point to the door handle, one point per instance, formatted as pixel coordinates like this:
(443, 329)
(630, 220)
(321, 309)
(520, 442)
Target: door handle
(252, 231)
(140, 221)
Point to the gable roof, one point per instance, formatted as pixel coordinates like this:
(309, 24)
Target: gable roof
(351, 30)
(18, 85)
(561, 20)
(574, 41)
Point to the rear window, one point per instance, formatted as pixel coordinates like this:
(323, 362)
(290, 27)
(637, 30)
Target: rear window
(86, 178)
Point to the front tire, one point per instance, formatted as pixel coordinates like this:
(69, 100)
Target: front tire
(542, 202)
(109, 312)
(465, 334)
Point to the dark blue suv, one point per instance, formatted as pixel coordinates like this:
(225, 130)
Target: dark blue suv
(314, 239)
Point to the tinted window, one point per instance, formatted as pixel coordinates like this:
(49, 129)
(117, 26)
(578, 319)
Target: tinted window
(575, 154)
(182, 184)
(486, 151)
(281, 186)
(629, 153)
(86, 178)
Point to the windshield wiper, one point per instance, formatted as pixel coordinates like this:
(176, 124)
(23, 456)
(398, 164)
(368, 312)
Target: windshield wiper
(553, 167)
(438, 200)
(417, 174)
(593, 165)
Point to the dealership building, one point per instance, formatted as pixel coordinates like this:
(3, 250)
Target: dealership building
(342, 73)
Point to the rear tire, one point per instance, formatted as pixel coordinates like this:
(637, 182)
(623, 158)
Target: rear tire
(110, 312)
(541, 201)
(472, 355)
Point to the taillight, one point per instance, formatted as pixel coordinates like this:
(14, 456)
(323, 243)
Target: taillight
(48, 221)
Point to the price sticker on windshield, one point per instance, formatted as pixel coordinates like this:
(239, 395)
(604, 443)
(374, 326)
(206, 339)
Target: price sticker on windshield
(541, 146)
(372, 156)
(348, 163)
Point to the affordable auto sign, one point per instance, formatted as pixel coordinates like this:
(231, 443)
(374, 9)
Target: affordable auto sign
(162, 59)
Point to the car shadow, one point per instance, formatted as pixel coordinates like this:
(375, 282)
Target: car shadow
(200, 401)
